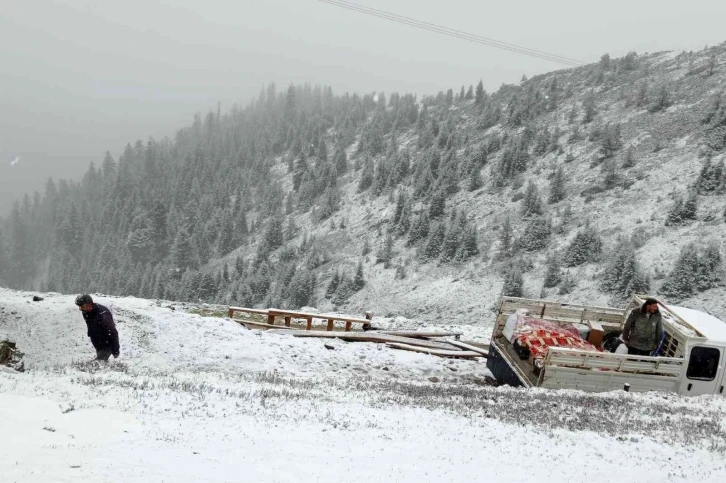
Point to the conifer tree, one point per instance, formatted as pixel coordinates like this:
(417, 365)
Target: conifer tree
(322, 151)
(3, 259)
(470, 93)
(366, 249)
(712, 178)
(419, 229)
(567, 284)
(585, 247)
(531, 203)
(398, 211)
(333, 285)
(434, 242)
(682, 212)
(513, 282)
(553, 271)
(207, 288)
(557, 186)
(623, 276)
(301, 168)
(358, 280)
(385, 253)
(694, 271)
(611, 140)
(225, 243)
(469, 246)
(588, 106)
(506, 239)
(475, 181)
(302, 288)
(452, 242)
(340, 160)
(661, 100)
(537, 234)
(710, 268)
(612, 178)
(367, 176)
(273, 238)
(629, 157)
(404, 222)
(183, 252)
(480, 93)
(437, 204)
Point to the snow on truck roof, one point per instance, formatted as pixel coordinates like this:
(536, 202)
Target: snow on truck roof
(711, 327)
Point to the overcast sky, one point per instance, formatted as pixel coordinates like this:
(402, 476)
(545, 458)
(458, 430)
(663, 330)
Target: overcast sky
(82, 77)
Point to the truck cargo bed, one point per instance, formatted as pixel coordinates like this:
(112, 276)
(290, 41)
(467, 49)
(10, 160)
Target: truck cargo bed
(507, 367)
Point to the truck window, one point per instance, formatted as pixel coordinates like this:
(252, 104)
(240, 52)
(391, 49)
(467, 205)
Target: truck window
(703, 364)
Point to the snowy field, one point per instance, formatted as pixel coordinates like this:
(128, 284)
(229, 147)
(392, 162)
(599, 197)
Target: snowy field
(203, 399)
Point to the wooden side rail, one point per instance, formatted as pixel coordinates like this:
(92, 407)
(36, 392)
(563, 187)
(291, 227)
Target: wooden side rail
(565, 357)
(232, 310)
(288, 315)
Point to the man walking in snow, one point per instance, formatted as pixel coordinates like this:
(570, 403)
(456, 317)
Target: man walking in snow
(644, 329)
(101, 328)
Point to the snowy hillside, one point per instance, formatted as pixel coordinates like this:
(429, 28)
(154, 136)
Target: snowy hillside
(581, 185)
(202, 399)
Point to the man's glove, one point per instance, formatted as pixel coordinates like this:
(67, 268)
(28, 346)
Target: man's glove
(115, 356)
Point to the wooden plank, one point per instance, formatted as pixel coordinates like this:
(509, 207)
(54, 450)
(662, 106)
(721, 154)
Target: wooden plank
(419, 334)
(271, 319)
(552, 304)
(263, 324)
(287, 321)
(305, 315)
(567, 312)
(348, 326)
(373, 337)
(433, 352)
(463, 345)
(310, 323)
(331, 324)
(248, 310)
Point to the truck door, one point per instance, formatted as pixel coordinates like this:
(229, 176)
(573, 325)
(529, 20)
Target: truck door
(720, 389)
(703, 372)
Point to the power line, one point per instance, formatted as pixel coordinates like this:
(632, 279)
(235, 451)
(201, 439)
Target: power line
(454, 32)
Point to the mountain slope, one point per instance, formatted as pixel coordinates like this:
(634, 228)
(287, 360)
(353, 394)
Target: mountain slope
(437, 206)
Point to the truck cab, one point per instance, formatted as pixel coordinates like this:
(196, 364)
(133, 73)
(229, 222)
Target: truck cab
(705, 353)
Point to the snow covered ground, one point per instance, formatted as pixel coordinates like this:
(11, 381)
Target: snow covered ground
(202, 399)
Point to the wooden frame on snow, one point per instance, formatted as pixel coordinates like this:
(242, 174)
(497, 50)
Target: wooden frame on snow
(288, 315)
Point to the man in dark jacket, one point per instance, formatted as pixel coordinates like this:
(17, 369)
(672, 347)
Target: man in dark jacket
(101, 328)
(644, 329)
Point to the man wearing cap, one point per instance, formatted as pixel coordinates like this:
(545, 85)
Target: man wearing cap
(101, 328)
(644, 329)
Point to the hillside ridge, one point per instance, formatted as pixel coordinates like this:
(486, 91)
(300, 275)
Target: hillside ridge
(580, 185)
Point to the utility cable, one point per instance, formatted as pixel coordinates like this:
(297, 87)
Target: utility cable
(454, 32)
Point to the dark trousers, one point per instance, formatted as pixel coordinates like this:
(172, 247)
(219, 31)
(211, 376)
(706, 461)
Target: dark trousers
(638, 352)
(102, 354)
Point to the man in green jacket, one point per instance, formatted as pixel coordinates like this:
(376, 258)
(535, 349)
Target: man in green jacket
(644, 329)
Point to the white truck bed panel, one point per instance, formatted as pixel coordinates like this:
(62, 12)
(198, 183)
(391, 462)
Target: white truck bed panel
(599, 381)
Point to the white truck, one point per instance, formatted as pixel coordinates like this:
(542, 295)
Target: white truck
(691, 359)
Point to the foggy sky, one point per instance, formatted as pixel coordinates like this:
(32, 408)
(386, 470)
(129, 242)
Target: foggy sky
(80, 78)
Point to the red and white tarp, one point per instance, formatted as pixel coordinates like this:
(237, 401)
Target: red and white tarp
(539, 335)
